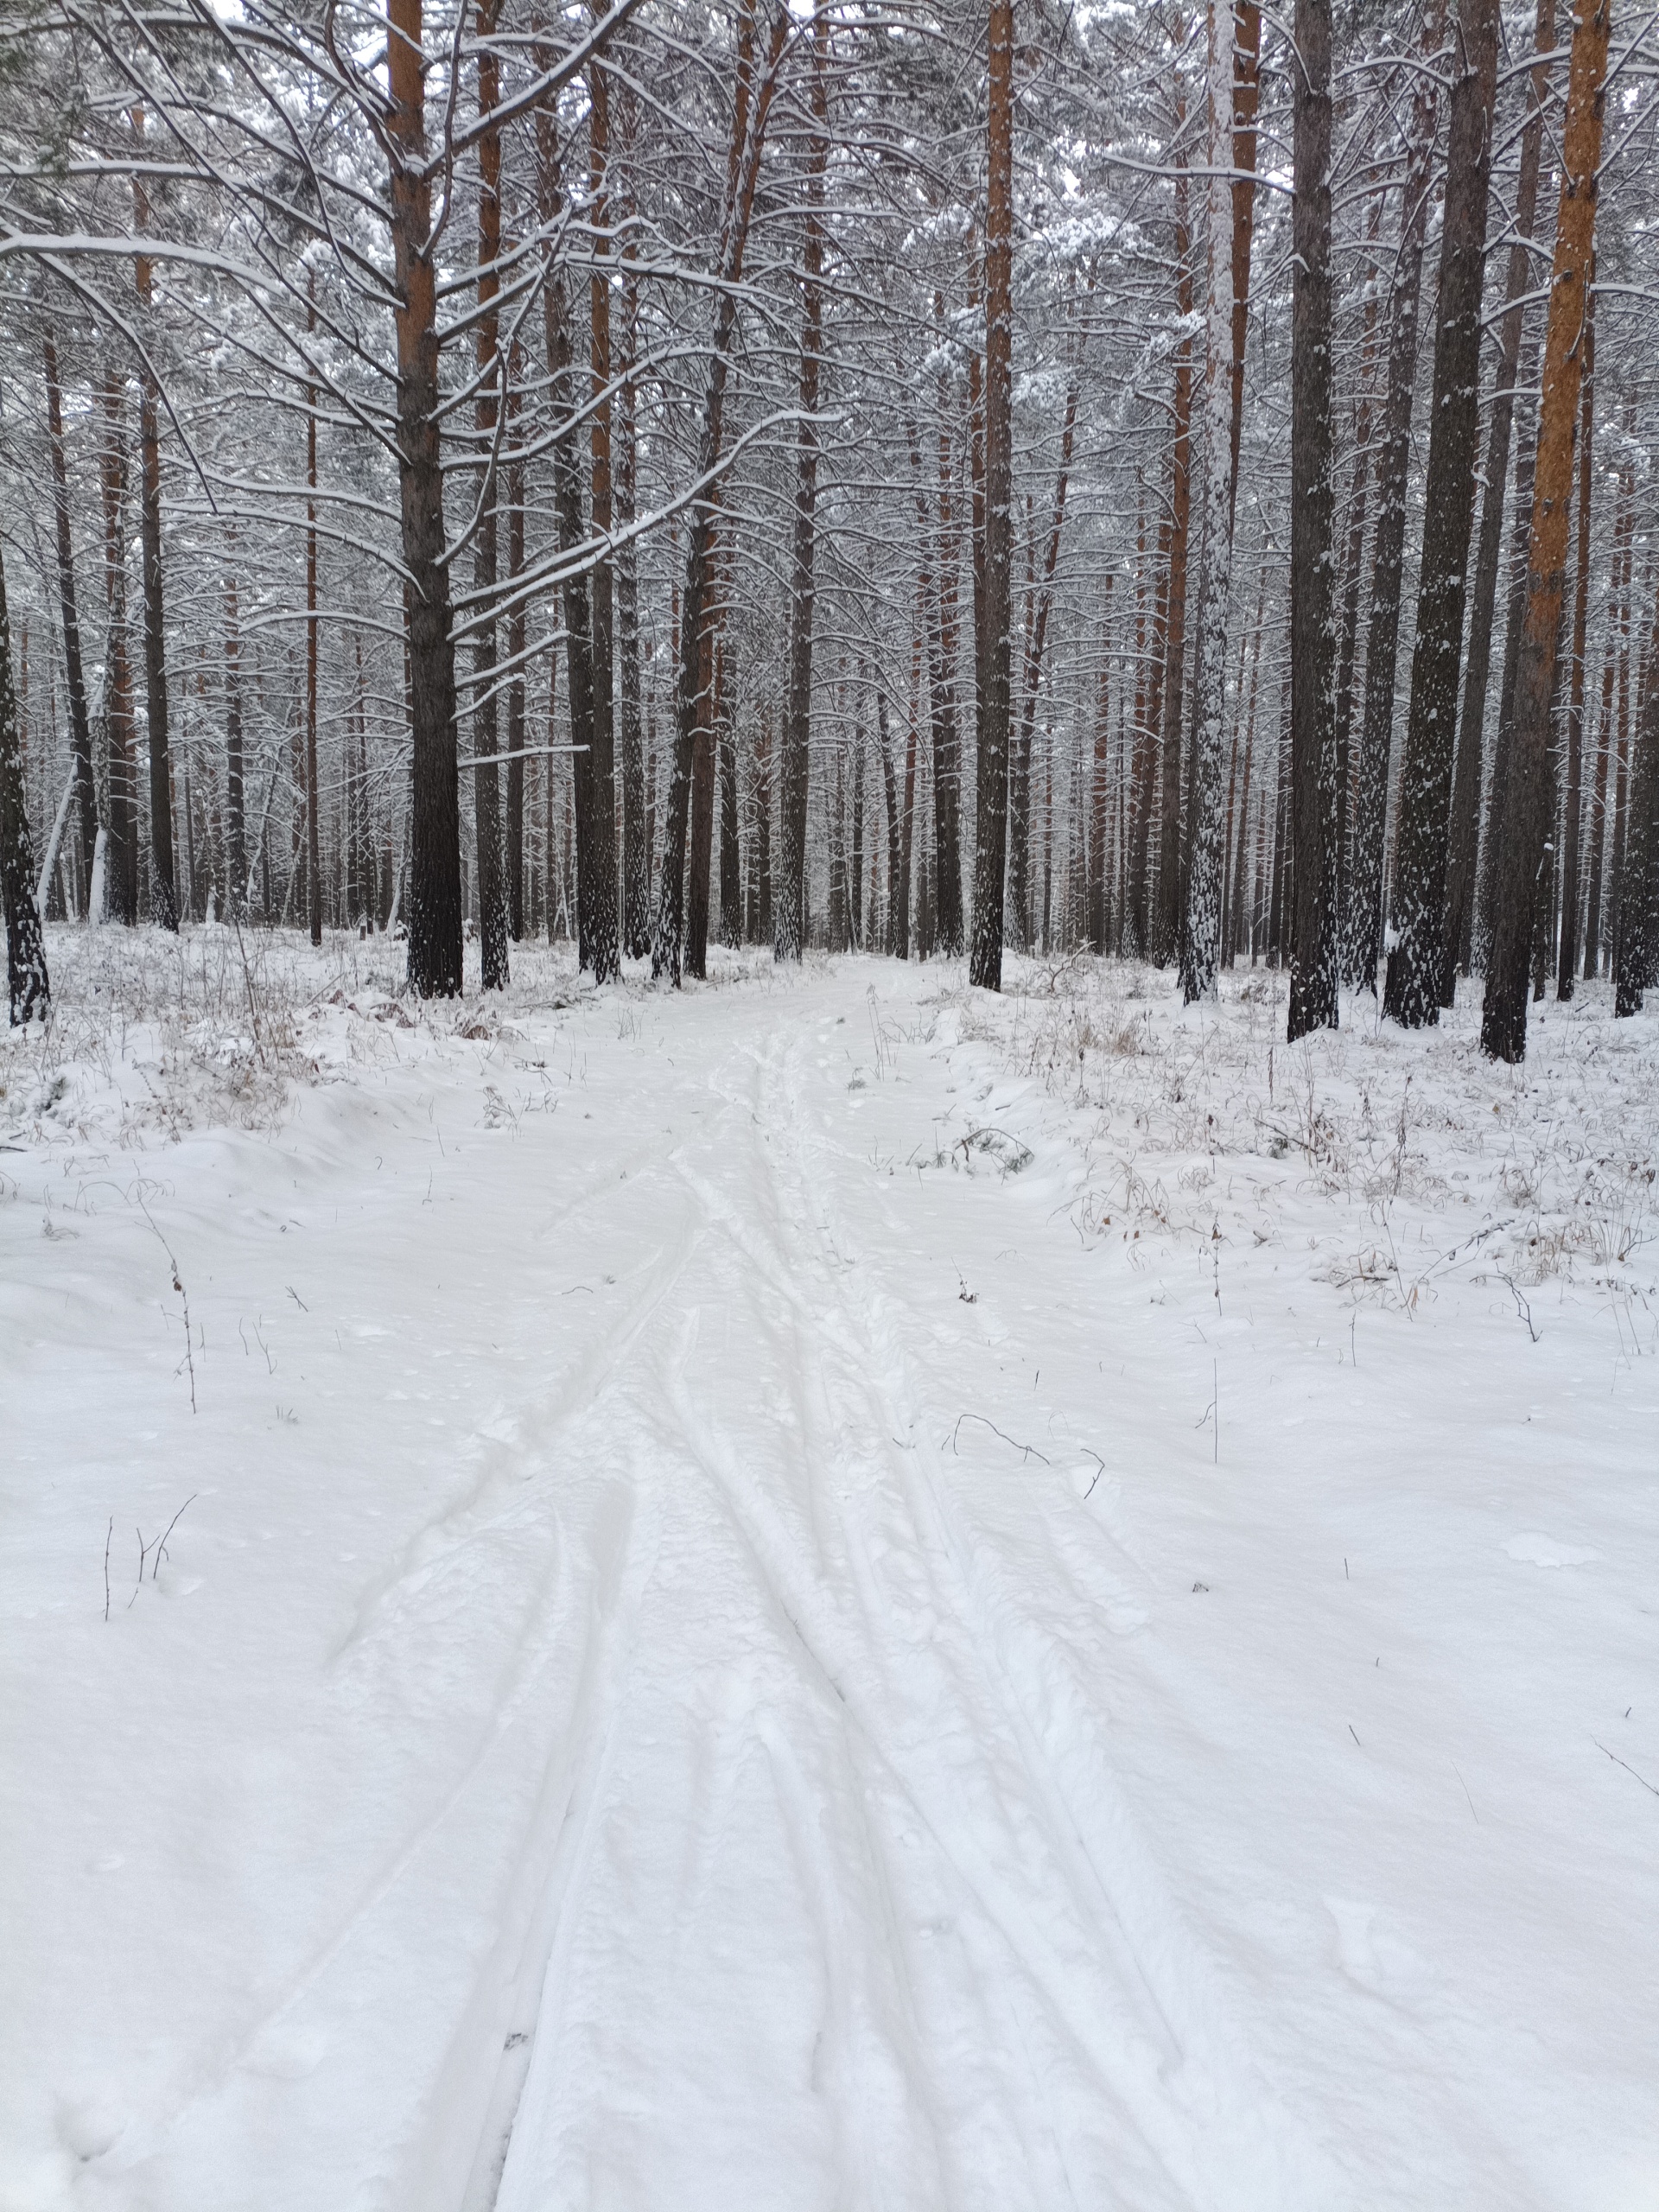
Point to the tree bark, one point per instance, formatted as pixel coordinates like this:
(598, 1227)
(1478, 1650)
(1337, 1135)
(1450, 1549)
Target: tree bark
(985, 963)
(1166, 924)
(750, 113)
(603, 917)
(493, 923)
(164, 894)
(1201, 936)
(80, 727)
(1572, 826)
(236, 858)
(1312, 641)
(789, 909)
(1466, 795)
(1246, 101)
(1388, 556)
(312, 825)
(28, 987)
(434, 962)
(1412, 988)
(1524, 826)
(121, 863)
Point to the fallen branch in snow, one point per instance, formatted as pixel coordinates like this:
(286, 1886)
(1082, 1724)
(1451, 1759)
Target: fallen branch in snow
(1029, 1450)
(1625, 1763)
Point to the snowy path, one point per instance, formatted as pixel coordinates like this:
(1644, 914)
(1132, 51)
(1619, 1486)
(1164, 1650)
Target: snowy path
(652, 1706)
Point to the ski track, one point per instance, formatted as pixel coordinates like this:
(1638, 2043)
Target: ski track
(772, 1705)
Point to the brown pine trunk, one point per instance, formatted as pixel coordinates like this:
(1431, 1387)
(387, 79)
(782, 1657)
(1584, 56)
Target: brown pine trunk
(1032, 674)
(1412, 988)
(434, 932)
(1466, 795)
(1524, 827)
(1312, 656)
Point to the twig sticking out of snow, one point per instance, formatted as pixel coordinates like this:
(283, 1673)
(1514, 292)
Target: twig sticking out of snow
(1625, 1763)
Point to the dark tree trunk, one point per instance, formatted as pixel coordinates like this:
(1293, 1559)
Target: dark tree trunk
(163, 893)
(80, 727)
(1524, 827)
(750, 113)
(898, 928)
(1031, 676)
(1205, 888)
(731, 851)
(1313, 640)
(121, 857)
(312, 825)
(236, 858)
(1466, 795)
(1165, 923)
(603, 918)
(1387, 556)
(789, 916)
(1634, 942)
(516, 725)
(991, 848)
(493, 923)
(1412, 990)
(28, 989)
(636, 843)
(1573, 825)
(1247, 99)
(434, 964)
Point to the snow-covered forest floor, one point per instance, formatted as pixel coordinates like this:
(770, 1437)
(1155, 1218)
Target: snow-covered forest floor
(821, 1593)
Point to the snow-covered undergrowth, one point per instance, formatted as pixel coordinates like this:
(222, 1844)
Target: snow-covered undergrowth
(823, 1591)
(1413, 1154)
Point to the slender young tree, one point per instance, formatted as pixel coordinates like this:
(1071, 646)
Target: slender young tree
(163, 896)
(1525, 824)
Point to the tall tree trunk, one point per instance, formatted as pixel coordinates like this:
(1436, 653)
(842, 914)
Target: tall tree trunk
(1032, 676)
(1201, 936)
(1465, 794)
(603, 916)
(1524, 827)
(898, 930)
(1166, 924)
(1624, 531)
(235, 857)
(434, 964)
(312, 825)
(991, 846)
(80, 727)
(164, 894)
(709, 711)
(789, 915)
(1313, 640)
(517, 642)
(567, 504)
(1638, 876)
(1097, 912)
(1352, 563)
(1412, 989)
(1572, 827)
(636, 843)
(28, 987)
(121, 862)
(1387, 556)
(749, 117)
(731, 851)
(493, 925)
(1246, 101)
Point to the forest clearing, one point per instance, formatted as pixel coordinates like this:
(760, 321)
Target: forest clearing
(997, 1601)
